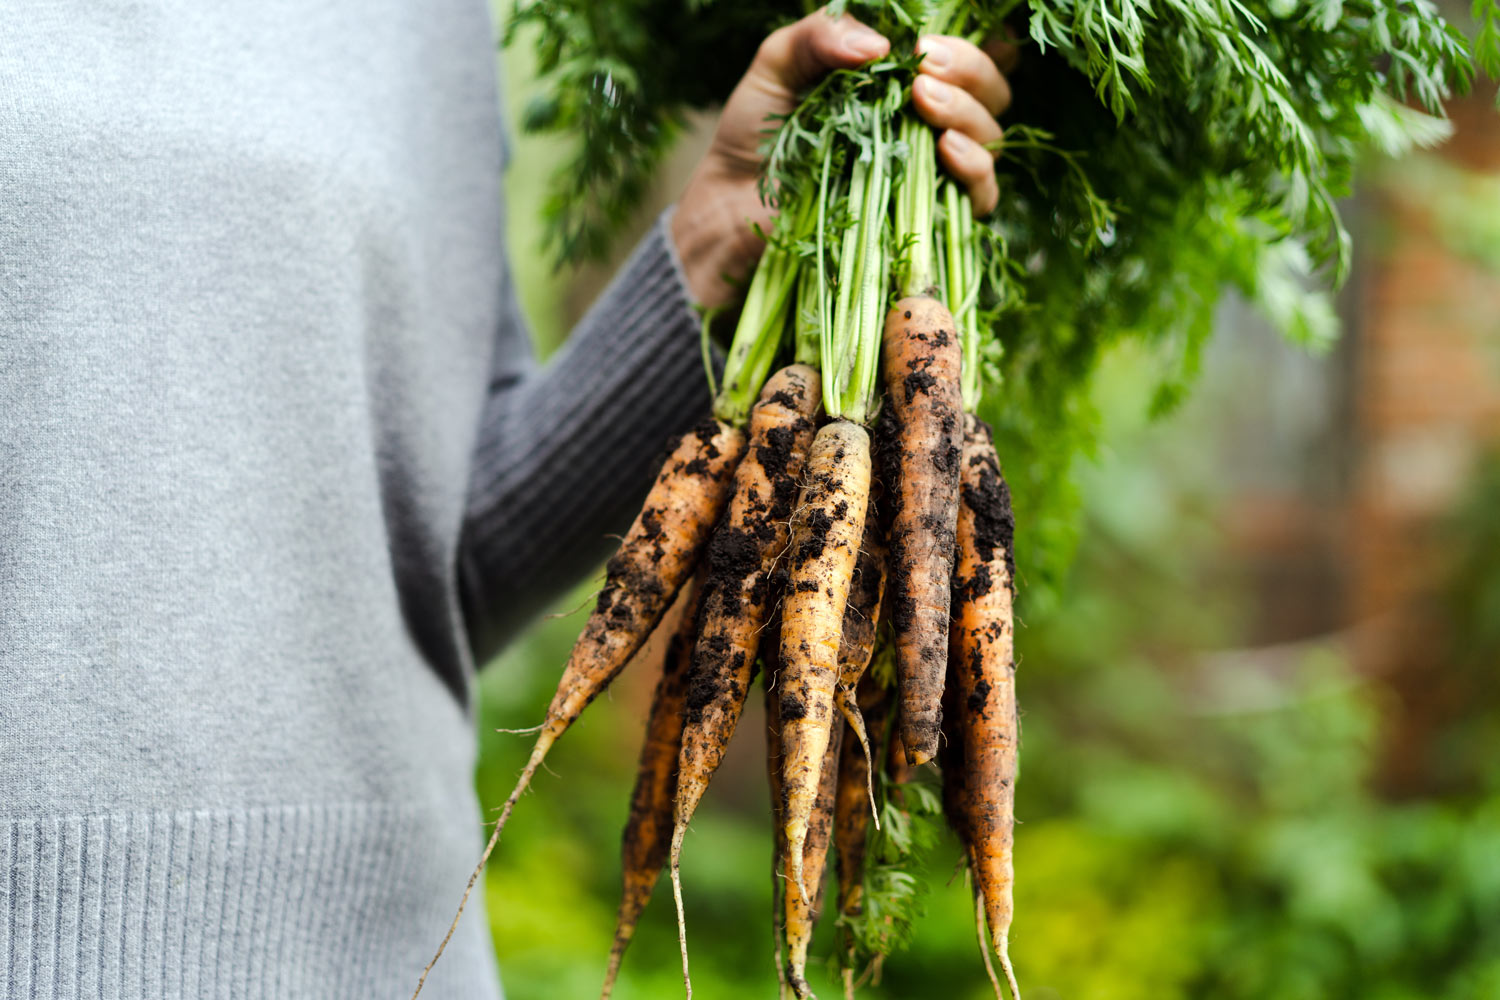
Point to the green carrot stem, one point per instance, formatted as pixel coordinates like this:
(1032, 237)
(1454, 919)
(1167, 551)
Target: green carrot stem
(849, 370)
(836, 337)
(747, 350)
(758, 335)
(962, 285)
(808, 321)
(915, 199)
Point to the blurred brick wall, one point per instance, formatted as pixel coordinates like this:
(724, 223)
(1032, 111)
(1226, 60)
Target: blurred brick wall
(1424, 405)
(1425, 389)
(1345, 471)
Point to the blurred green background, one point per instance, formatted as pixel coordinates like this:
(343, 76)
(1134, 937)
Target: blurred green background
(1261, 750)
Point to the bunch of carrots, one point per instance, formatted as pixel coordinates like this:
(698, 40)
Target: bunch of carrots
(842, 505)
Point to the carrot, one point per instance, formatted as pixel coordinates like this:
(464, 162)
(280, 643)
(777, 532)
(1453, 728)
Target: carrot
(851, 818)
(984, 674)
(641, 579)
(921, 438)
(737, 592)
(958, 804)
(643, 846)
(771, 654)
(801, 910)
(825, 543)
(857, 645)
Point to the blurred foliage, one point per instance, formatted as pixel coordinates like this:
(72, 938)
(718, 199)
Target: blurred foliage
(1463, 204)
(1187, 830)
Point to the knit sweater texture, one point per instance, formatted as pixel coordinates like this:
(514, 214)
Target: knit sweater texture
(276, 468)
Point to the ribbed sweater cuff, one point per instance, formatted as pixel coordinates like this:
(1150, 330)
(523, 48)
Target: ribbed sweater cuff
(567, 451)
(334, 902)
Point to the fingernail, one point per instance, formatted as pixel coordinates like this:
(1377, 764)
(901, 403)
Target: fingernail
(865, 42)
(961, 143)
(934, 90)
(934, 53)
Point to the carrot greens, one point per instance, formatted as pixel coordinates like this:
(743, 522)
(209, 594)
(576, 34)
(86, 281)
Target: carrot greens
(1156, 154)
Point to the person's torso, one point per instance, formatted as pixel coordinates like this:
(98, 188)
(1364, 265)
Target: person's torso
(250, 269)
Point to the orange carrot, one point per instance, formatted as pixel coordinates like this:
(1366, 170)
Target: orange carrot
(643, 846)
(656, 557)
(921, 438)
(959, 801)
(825, 543)
(802, 911)
(737, 592)
(984, 674)
(771, 655)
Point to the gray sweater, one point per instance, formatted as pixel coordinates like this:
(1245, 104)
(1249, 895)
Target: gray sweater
(276, 467)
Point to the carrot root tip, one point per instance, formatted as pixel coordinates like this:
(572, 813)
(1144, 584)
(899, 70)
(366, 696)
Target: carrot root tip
(677, 834)
(623, 933)
(984, 946)
(1010, 972)
(612, 973)
(543, 744)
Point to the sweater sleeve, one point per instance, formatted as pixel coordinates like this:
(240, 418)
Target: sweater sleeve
(566, 450)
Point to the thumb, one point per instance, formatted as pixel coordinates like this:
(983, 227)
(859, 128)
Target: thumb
(796, 56)
(790, 60)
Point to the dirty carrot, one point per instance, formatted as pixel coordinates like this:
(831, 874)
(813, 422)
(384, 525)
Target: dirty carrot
(738, 592)
(643, 846)
(958, 804)
(984, 674)
(829, 522)
(658, 554)
(824, 546)
(771, 655)
(921, 435)
(802, 911)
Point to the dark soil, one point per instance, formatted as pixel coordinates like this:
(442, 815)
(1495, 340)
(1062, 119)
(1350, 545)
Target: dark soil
(786, 398)
(707, 430)
(733, 555)
(994, 520)
(916, 382)
(978, 696)
(777, 449)
(815, 535)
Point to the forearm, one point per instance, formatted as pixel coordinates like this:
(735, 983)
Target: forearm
(566, 450)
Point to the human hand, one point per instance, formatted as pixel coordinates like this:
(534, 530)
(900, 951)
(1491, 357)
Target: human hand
(960, 90)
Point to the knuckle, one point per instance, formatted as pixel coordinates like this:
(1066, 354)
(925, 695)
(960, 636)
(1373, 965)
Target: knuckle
(978, 162)
(971, 67)
(775, 48)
